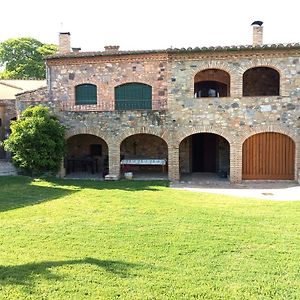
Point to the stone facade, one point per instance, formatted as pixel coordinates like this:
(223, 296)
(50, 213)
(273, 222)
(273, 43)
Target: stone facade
(176, 114)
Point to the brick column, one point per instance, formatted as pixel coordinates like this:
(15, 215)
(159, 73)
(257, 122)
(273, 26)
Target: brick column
(114, 159)
(2, 125)
(235, 162)
(173, 163)
(297, 161)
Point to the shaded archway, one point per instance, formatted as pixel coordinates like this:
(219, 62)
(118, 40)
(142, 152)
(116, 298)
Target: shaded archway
(204, 153)
(144, 155)
(86, 154)
(269, 156)
(212, 83)
(261, 81)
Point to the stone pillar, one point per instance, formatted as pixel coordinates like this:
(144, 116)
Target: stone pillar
(114, 160)
(236, 162)
(62, 171)
(173, 163)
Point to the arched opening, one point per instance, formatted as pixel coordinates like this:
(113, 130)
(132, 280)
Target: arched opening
(204, 153)
(144, 155)
(212, 83)
(261, 81)
(86, 94)
(87, 156)
(269, 156)
(133, 95)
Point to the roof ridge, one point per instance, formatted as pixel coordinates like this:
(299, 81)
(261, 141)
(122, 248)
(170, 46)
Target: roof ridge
(10, 85)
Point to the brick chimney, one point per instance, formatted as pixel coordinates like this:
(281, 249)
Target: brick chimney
(111, 49)
(64, 45)
(257, 35)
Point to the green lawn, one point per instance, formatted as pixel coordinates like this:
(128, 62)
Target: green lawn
(77, 239)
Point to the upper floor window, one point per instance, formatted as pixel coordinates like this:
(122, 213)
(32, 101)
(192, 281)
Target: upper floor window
(212, 83)
(133, 96)
(85, 94)
(261, 81)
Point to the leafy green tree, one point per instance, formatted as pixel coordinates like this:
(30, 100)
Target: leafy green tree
(24, 58)
(36, 141)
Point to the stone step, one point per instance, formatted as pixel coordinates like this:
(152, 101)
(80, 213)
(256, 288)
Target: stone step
(7, 168)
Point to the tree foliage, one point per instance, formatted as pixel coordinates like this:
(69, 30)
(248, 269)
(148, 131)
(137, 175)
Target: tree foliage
(37, 141)
(23, 58)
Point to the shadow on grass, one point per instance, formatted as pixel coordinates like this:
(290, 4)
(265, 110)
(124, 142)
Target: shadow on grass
(25, 274)
(19, 192)
(127, 185)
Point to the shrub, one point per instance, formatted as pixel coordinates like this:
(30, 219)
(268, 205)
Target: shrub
(36, 141)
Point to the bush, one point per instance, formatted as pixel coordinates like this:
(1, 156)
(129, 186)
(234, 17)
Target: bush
(36, 142)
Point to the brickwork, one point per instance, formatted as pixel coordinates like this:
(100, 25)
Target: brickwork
(106, 75)
(176, 114)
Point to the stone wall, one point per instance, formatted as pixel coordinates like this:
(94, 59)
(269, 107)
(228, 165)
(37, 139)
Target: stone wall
(176, 113)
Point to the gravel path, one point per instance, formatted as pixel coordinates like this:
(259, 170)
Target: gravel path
(277, 191)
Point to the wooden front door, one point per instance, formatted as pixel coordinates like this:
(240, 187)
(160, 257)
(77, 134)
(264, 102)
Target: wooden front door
(268, 156)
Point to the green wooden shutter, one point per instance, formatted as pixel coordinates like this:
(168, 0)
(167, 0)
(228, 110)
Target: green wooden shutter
(133, 96)
(85, 94)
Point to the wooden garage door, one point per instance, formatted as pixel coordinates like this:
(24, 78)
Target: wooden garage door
(268, 155)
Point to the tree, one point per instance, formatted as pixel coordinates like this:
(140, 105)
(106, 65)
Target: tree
(23, 58)
(36, 141)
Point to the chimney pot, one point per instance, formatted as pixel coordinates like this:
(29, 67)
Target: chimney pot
(76, 50)
(111, 49)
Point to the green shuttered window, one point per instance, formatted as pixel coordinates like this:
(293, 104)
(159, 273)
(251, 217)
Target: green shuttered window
(85, 94)
(132, 96)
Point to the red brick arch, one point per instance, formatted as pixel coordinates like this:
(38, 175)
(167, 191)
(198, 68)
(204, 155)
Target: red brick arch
(203, 129)
(143, 130)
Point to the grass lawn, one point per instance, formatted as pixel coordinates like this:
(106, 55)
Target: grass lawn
(63, 239)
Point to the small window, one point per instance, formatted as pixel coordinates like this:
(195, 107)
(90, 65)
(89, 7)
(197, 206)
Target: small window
(85, 94)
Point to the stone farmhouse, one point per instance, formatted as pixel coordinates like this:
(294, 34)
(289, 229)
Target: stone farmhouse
(232, 110)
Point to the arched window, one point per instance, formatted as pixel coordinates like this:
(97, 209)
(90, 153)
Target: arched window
(133, 96)
(85, 94)
(212, 83)
(261, 81)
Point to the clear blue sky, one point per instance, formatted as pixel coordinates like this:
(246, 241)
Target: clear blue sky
(155, 24)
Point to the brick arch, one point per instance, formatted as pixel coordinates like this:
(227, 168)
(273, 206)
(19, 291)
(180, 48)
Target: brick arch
(143, 130)
(268, 63)
(269, 128)
(219, 65)
(134, 80)
(203, 129)
(92, 131)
